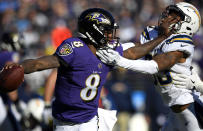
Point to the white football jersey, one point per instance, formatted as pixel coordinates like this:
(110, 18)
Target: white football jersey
(163, 80)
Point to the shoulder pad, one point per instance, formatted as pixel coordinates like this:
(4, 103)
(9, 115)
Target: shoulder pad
(150, 32)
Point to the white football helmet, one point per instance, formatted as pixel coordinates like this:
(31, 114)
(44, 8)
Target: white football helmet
(192, 19)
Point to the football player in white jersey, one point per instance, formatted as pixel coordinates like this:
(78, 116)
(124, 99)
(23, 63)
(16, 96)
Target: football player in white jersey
(173, 56)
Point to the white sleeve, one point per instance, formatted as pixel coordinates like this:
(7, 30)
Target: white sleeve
(127, 45)
(142, 66)
(180, 46)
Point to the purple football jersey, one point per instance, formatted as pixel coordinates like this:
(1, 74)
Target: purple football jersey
(6, 56)
(78, 86)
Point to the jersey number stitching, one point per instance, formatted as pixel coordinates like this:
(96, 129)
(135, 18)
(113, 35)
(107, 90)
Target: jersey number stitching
(90, 91)
(164, 79)
(77, 44)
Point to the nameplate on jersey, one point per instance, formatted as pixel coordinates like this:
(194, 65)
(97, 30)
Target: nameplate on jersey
(65, 50)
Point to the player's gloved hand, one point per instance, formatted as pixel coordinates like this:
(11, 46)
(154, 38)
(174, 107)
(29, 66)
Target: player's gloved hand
(47, 114)
(183, 81)
(109, 56)
(188, 82)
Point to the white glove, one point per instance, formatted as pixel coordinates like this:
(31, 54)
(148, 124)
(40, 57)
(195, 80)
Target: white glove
(183, 81)
(188, 82)
(109, 56)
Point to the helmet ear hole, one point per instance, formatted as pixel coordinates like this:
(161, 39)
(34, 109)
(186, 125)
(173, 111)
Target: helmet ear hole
(188, 28)
(101, 28)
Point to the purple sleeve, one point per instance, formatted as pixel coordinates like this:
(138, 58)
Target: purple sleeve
(65, 52)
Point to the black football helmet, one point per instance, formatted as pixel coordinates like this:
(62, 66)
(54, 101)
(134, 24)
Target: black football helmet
(98, 27)
(11, 41)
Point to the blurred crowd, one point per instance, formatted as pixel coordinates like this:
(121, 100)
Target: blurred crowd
(44, 23)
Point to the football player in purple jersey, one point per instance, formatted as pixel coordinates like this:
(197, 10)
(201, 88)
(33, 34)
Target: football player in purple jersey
(81, 74)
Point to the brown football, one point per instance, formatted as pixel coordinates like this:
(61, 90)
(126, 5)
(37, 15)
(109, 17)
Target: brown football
(11, 78)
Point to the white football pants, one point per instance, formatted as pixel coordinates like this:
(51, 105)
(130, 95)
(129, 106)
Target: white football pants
(184, 121)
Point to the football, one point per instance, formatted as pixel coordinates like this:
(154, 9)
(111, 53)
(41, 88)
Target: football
(11, 78)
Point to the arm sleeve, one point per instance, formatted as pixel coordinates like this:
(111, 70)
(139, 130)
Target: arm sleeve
(65, 52)
(127, 45)
(180, 46)
(142, 66)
